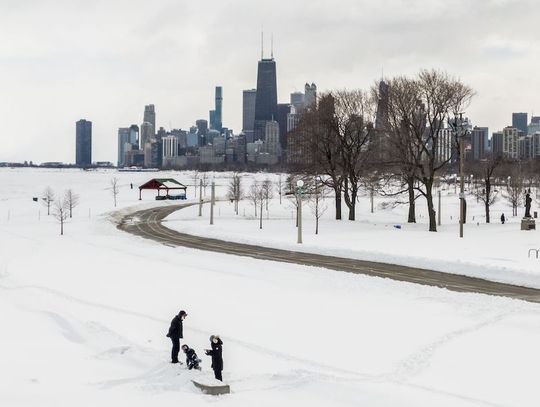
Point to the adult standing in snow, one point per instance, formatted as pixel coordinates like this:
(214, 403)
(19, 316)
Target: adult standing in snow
(217, 356)
(502, 218)
(176, 332)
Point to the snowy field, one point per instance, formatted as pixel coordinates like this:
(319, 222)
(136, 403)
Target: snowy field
(491, 251)
(84, 315)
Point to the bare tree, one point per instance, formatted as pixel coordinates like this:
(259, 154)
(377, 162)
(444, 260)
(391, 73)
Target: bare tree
(235, 191)
(115, 189)
(195, 178)
(515, 186)
(437, 97)
(61, 212)
(256, 196)
(72, 200)
(317, 202)
(280, 187)
(485, 171)
(205, 180)
(48, 199)
(268, 191)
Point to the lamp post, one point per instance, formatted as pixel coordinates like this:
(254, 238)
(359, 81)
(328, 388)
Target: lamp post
(458, 129)
(299, 185)
(212, 199)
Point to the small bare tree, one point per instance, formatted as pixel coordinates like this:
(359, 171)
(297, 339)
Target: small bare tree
(204, 179)
(48, 199)
(317, 202)
(515, 190)
(485, 171)
(61, 212)
(235, 191)
(268, 191)
(115, 189)
(195, 178)
(72, 200)
(256, 196)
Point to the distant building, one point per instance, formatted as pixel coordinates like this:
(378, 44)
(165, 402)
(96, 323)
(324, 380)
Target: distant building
(526, 147)
(272, 139)
(248, 112)
(124, 139)
(497, 143)
(216, 115)
(535, 120)
(510, 142)
(310, 95)
(202, 131)
(147, 134)
(160, 134)
(445, 145)
(150, 116)
(83, 143)
(134, 135)
(479, 142)
(266, 96)
(170, 146)
(283, 111)
(519, 121)
(536, 145)
(297, 100)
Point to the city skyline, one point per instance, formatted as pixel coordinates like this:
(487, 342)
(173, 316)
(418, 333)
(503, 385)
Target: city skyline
(106, 77)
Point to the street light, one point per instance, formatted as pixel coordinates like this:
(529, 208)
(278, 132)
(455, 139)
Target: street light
(299, 185)
(458, 128)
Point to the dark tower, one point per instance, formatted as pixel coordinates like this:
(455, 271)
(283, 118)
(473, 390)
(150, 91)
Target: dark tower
(83, 143)
(266, 97)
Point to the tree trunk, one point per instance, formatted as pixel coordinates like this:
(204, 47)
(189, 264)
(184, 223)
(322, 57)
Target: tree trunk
(317, 224)
(486, 202)
(337, 192)
(61, 228)
(350, 200)
(412, 202)
(431, 208)
(261, 215)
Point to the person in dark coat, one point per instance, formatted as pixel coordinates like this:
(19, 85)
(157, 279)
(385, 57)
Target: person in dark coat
(192, 360)
(502, 218)
(176, 332)
(217, 356)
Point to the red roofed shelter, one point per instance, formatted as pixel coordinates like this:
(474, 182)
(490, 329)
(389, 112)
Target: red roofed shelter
(162, 184)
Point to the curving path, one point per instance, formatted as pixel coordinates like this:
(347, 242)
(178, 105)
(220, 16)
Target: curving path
(147, 223)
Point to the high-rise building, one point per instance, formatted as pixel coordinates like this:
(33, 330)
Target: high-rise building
(519, 121)
(497, 143)
(266, 96)
(147, 134)
(248, 109)
(310, 95)
(216, 115)
(123, 139)
(134, 135)
(297, 100)
(510, 142)
(83, 143)
(283, 111)
(150, 116)
(479, 142)
(535, 120)
(202, 131)
(170, 146)
(271, 136)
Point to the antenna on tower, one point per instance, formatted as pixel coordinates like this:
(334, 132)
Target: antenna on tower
(272, 46)
(262, 43)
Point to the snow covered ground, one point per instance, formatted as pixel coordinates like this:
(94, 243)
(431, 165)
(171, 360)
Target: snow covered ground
(491, 251)
(83, 319)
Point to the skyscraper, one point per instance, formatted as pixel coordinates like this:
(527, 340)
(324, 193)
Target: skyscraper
(123, 139)
(297, 100)
(310, 95)
(266, 96)
(147, 134)
(479, 142)
(519, 121)
(83, 143)
(248, 113)
(216, 115)
(150, 116)
(202, 131)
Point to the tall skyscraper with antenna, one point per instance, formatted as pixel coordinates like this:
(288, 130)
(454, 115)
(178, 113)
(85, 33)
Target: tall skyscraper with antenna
(266, 96)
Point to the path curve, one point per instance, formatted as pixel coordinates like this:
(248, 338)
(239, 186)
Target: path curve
(147, 223)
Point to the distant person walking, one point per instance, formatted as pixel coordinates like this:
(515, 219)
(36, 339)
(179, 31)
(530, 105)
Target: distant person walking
(217, 356)
(502, 218)
(176, 332)
(131, 185)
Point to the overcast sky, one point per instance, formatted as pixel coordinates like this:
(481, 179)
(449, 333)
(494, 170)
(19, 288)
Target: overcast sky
(103, 60)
